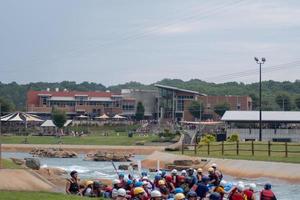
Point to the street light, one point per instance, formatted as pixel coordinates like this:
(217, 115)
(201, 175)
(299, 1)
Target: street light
(260, 62)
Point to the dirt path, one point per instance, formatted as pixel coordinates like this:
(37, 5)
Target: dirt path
(23, 180)
(141, 150)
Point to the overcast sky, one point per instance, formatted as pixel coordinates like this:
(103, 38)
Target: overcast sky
(116, 41)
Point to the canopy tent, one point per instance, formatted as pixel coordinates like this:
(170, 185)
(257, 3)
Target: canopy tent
(49, 123)
(20, 117)
(118, 117)
(104, 116)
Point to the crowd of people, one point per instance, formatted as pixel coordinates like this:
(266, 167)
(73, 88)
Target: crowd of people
(190, 184)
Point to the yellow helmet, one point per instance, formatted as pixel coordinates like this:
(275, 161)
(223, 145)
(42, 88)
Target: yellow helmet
(161, 182)
(199, 170)
(210, 169)
(179, 196)
(88, 182)
(138, 190)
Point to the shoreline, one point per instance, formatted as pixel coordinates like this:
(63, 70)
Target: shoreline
(141, 150)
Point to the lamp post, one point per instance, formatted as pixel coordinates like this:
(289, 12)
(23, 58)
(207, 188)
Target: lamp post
(260, 62)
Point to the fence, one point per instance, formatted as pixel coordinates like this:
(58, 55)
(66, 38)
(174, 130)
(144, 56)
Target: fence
(251, 148)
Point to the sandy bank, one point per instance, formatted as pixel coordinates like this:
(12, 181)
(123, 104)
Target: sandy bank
(237, 168)
(141, 150)
(23, 180)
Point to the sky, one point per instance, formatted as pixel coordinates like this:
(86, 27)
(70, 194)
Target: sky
(117, 41)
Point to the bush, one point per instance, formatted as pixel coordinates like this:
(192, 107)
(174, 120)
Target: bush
(208, 138)
(233, 138)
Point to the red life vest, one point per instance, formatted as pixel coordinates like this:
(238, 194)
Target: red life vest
(249, 194)
(267, 195)
(237, 196)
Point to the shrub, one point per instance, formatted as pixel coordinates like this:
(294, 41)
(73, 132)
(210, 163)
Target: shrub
(233, 138)
(208, 138)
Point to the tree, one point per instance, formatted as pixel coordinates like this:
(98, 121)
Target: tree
(140, 111)
(284, 101)
(221, 108)
(59, 118)
(6, 106)
(195, 109)
(297, 102)
(255, 101)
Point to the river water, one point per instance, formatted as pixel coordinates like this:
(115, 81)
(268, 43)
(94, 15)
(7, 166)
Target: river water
(92, 170)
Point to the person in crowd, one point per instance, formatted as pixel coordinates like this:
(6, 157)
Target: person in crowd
(192, 179)
(183, 173)
(213, 178)
(121, 194)
(201, 187)
(72, 186)
(97, 190)
(139, 193)
(199, 174)
(169, 183)
(239, 193)
(267, 193)
(122, 180)
(215, 196)
(220, 189)
(156, 195)
(88, 189)
(179, 196)
(174, 175)
(191, 195)
(163, 189)
(249, 192)
(217, 171)
(116, 185)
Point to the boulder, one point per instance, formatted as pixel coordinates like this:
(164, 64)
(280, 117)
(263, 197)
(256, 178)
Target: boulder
(18, 161)
(183, 162)
(123, 167)
(33, 163)
(104, 156)
(53, 153)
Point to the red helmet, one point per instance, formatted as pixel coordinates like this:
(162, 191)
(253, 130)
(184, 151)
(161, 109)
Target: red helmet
(168, 178)
(181, 178)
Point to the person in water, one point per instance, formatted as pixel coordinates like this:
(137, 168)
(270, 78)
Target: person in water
(267, 193)
(72, 186)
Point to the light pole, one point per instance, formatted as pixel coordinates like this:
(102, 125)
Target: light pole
(260, 62)
(0, 140)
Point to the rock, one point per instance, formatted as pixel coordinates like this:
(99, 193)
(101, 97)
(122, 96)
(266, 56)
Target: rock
(140, 143)
(18, 161)
(103, 156)
(123, 167)
(33, 163)
(53, 153)
(183, 162)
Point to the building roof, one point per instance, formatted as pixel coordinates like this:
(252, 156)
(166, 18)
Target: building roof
(267, 116)
(178, 89)
(100, 99)
(62, 99)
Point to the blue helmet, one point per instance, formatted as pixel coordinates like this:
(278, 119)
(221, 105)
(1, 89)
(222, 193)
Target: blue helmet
(178, 190)
(157, 177)
(268, 186)
(121, 175)
(129, 182)
(163, 173)
(215, 196)
(144, 174)
(191, 194)
(205, 179)
(138, 184)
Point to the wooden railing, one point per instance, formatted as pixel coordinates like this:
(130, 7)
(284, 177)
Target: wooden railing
(251, 148)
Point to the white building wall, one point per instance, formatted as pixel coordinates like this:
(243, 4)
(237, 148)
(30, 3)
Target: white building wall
(267, 134)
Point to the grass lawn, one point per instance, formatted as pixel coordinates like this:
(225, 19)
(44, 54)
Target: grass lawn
(93, 139)
(245, 151)
(8, 164)
(12, 195)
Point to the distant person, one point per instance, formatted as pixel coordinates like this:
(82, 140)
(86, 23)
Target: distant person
(250, 192)
(267, 193)
(72, 186)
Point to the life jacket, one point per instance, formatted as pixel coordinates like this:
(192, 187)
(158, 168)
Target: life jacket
(74, 187)
(215, 177)
(267, 195)
(249, 194)
(238, 196)
(231, 193)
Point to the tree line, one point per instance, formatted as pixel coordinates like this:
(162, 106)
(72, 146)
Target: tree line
(275, 95)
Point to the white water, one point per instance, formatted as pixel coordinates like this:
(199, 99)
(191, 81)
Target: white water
(93, 170)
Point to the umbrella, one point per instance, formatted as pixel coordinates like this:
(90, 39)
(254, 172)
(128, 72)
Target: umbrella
(20, 117)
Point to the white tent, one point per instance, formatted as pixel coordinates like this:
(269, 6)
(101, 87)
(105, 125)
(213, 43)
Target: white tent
(82, 117)
(20, 117)
(104, 116)
(49, 123)
(118, 117)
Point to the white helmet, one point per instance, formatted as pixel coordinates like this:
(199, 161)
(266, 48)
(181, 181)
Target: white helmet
(155, 193)
(121, 192)
(223, 183)
(252, 186)
(240, 183)
(174, 171)
(145, 183)
(159, 172)
(116, 181)
(240, 187)
(114, 193)
(183, 172)
(214, 165)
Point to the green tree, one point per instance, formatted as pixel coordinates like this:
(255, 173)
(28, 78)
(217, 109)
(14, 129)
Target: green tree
(255, 101)
(195, 109)
(59, 118)
(297, 102)
(284, 101)
(221, 108)
(6, 106)
(140, 111)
